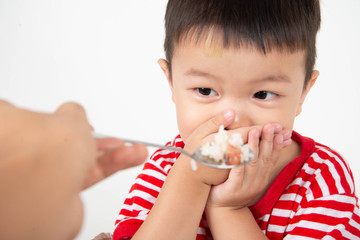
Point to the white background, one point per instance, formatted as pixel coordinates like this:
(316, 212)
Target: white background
(103, 54)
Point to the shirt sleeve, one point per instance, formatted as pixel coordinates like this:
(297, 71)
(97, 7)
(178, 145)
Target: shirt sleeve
(140, 198)
(330, 208)
(329, 217)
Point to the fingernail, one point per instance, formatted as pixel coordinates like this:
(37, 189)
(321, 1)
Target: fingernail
(287, 142)
(257, 133)
(229, 114)
(287, 135)
(277, 128)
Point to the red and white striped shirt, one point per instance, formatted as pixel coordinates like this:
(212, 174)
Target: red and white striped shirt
(312, 198)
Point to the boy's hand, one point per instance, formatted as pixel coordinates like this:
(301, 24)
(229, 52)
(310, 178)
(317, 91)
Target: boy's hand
(205, 133)
(246, 184)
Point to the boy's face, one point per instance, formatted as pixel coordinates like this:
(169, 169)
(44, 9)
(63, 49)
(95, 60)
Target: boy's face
(208, 79)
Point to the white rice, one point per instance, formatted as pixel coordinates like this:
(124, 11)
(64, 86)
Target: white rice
(217, 149)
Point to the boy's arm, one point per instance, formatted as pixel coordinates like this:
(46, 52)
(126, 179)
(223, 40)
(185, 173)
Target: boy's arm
(179, 207)
(228, 223)
(177, 211)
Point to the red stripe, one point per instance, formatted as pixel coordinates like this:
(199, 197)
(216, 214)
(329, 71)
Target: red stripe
(152, 192)
(339, 169)
(278, 220)
(287, 205)
(306, 232)
(127, 230)
(139, 201)
(153, 180)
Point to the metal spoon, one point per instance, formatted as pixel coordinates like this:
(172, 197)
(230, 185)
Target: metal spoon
(197, 156)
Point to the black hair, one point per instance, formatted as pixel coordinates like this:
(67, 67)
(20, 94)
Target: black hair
(289, 25)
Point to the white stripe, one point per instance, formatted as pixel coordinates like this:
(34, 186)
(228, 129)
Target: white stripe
(327, 237)
(349, 235)
(147, 184)
(309, 170)
(154, 173)
(159, 161)
(323, 185)
(144, 195)
(165, 152)
(336, 176)
(123, 218)
(134, 207)
(167, 168)
(332, 170)
(281, 212)
(276, 228)
(305, 184)
(297, 181)
(201, 231)
(288, 197)
(325, 212)
(292, 237)
(265, 218)
(310, 225)
(346, 172)
(354, 224)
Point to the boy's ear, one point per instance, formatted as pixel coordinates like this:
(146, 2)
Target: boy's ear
(314, 75)
(164, 65)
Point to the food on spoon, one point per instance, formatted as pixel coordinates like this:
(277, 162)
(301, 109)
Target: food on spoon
(226, 150)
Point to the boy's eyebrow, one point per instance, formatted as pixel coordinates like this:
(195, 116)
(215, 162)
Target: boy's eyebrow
(275, 78)
(271, 78)
(195, 72)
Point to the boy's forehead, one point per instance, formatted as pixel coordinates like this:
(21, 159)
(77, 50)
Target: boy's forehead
(201, 53)
(212, 42)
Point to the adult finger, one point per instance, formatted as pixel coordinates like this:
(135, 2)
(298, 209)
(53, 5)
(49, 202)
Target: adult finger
(122, 157)
(108, 143)
(72, 109)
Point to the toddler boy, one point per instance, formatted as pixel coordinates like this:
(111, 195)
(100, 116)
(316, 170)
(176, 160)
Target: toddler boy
(247, 65)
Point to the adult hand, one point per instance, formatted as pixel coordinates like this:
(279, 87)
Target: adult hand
(113, 155)
(45, 161)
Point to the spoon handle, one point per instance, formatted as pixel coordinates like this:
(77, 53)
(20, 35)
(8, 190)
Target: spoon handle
(131, 141)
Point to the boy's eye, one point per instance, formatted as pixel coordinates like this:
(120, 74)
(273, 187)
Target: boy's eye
(206, 91)
(264, 95)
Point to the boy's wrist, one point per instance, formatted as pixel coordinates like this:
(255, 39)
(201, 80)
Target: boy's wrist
(215, 208)
(223, 220)
(202, 174)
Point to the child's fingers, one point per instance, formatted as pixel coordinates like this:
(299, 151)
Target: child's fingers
(213, 124)
(287, 138)
(282, 140)
(253, 141)
(277, 146)
(266, 143)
